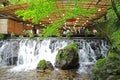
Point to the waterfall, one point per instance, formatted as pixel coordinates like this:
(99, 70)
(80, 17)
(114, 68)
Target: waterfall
(89, 52)
(30, 52)
(8, 51)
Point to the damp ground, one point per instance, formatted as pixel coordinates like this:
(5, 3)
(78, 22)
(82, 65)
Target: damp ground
(5, 74)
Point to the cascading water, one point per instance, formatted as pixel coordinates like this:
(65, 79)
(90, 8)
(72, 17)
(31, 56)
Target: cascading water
(89, 52)
(30, 52)
(8, 52)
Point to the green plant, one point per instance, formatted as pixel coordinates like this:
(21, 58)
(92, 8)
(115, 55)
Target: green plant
(37, 9)
(12, 35)
(69, 34)
(1, 36)
(1, 5)
(108, 68)
(101, 62)
(29, 34)
(87, 32)
(40, 9)
(14, 2)
(21, 36)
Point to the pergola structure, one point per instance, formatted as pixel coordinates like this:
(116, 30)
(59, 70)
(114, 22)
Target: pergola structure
(8, 12)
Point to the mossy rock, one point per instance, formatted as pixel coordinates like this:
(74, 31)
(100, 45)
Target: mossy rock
(43, 65)
(67, 58)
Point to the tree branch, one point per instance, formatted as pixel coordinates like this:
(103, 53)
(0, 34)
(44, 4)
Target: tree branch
(115, 9)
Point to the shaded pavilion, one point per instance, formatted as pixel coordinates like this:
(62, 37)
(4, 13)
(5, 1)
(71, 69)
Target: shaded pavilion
(18, 26)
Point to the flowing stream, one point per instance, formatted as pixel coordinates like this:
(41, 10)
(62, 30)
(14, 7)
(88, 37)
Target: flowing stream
(25, 54)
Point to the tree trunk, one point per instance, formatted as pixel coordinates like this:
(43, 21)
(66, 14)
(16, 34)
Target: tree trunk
(115, 9)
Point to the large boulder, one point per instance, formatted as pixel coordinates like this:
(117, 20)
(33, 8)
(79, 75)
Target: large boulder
(43, 65)
(67, 58)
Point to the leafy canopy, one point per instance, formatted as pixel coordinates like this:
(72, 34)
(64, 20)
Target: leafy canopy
(39, 9)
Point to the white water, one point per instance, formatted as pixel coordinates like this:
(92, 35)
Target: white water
(2, 60)
(32, 51)
(86, 57)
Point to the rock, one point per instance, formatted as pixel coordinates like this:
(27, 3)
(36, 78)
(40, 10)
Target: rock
(43, 65)
(12, 61)
(49, 65)
(67, 58)
(93, 46)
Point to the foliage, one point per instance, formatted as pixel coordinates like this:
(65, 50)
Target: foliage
(21, 36)
(40, 9)
(87, 32)
(112, 55)
(29, 34)
(42, 65)
(68, 34)
(106, 67)
(37, 10)
(14, 2)
(12, 35)
(101, 62)
(115, 38)
(111, 30)
(1, 6)
(53, 28)
(1, 36)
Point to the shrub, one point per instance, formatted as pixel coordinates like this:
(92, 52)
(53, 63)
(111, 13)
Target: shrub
(1, 36)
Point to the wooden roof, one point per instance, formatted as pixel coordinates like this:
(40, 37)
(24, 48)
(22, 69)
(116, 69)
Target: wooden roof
(9, 12)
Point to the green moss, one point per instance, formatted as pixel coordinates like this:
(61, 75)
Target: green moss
(42, 64)
(63, 53)
(58, 56)
(72, 46)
